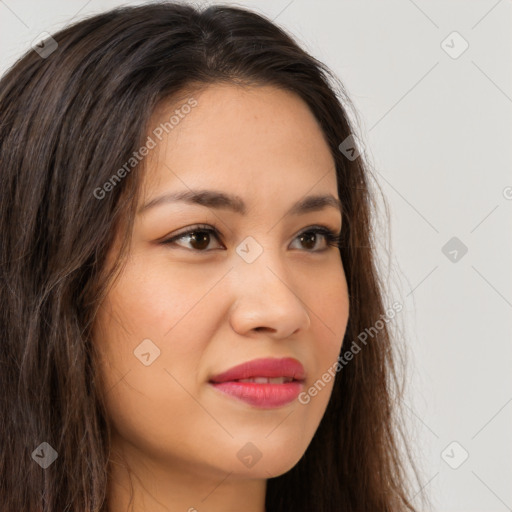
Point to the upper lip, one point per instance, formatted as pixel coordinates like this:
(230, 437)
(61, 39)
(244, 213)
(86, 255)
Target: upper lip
(265, 367)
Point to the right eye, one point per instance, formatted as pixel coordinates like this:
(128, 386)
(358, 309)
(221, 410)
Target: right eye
(199, 237)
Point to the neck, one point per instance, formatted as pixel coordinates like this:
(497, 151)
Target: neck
(171, 486)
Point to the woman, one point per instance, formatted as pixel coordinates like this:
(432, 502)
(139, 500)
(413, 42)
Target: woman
(189, 295)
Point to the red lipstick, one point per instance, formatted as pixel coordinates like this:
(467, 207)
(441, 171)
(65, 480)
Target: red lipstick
(265, 383)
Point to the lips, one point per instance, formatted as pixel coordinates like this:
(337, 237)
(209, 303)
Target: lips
(286, 368)
(263, 383)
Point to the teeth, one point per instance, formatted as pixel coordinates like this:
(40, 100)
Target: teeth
(267, 380)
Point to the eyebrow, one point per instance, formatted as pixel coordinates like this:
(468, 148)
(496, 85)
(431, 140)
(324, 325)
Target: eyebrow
(215, 199)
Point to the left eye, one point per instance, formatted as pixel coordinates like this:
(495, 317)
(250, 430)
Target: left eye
(200, 238)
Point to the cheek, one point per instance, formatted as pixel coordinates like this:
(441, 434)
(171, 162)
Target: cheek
(146, 375)
(324, 294)
(149, 343)
(153, 299)
(330, 316)
(143, 316)
(331, 311)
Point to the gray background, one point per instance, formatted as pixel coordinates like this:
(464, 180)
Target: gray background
(436, 130)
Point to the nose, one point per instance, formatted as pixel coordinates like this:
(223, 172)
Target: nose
(266, 300)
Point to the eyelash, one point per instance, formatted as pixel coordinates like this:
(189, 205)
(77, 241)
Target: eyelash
(333, 239)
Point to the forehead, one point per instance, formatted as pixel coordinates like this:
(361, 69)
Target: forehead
(244, 139)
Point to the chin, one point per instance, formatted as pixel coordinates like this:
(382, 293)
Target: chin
(267, 466)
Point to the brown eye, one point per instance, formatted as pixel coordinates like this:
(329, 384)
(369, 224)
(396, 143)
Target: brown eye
(198, 239)
(309, 238)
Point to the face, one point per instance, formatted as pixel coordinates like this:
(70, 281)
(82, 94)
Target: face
(207, 286)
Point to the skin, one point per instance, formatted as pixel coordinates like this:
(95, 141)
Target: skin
(209, 311)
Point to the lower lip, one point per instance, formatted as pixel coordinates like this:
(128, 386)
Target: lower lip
(261, 395)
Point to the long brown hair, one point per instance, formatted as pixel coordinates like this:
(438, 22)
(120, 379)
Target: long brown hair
(69, 120)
